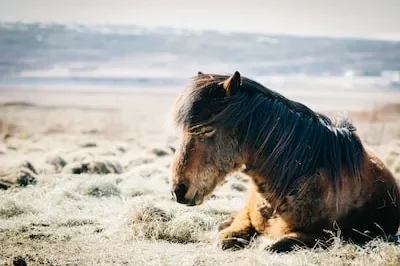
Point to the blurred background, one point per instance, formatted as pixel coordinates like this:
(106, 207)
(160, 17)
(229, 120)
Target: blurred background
(159, 45)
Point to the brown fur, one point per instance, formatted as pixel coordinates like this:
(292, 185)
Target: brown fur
(360, 209)
(310, 217)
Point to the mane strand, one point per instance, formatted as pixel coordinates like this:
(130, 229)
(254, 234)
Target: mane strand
(288, 141)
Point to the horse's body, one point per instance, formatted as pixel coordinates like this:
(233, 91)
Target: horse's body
(310, 176)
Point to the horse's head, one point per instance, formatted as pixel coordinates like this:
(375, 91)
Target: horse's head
(207, 151)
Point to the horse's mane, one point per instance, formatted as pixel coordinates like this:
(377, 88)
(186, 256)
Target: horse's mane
(287, 140)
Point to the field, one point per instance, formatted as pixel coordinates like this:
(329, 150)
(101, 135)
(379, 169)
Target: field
(84, 181)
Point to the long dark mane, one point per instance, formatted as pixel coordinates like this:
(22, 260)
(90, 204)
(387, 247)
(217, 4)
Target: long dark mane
(287, 140)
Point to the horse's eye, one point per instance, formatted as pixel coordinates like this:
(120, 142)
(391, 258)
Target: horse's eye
(208, 131)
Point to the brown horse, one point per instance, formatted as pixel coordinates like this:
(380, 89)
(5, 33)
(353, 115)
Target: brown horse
(311, 176)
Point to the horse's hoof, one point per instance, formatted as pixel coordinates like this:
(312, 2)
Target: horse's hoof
(233, 241)
(282, 246)
(233, 244)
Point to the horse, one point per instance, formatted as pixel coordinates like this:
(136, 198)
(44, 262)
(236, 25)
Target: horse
(312, 177)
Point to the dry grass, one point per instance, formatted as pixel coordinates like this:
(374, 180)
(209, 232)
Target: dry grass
(109, 203)
(9, 129)
(384, 113)
(102, 166)
(176, 226)
(77, 222)
(10, 209)
(22, 175)
(102, 190)
(136, 192)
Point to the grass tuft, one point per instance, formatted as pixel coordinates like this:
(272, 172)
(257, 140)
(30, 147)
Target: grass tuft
(159, 152)
(77, 222)
(101, 167)
(102, 190)
(238, 187)
(152, 223)
(9, 209)
(136, 192)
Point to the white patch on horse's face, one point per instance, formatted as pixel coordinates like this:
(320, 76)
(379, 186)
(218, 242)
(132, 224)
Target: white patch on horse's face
(202, 161)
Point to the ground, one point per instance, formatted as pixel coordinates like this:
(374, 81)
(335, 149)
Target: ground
(83, 181)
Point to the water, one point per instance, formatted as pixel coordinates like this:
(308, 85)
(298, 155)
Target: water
(131, 56)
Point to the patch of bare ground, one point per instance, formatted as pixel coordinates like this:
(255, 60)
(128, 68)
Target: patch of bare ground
(390, 112)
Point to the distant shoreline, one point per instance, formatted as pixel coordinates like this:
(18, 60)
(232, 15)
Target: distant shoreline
(321, 97)
(90, 89)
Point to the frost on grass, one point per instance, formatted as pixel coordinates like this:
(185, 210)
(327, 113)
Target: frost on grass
(94, 167)
(176, 226)
(148, 171)
(77, 222)
(136, 192)
(102, 190)
(376, 252)
(56, 161)
(11, 208)
(238, 187)
(23, 175)
(159, 152)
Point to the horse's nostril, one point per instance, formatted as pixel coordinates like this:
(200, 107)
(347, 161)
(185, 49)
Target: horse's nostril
(180, 192)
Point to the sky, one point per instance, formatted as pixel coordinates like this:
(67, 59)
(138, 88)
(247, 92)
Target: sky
(339, 18)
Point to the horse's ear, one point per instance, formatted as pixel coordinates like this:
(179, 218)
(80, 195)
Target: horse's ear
(232, 84)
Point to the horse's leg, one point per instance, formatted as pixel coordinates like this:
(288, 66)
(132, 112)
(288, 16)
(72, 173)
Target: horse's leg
(239, 233)
(301, 240)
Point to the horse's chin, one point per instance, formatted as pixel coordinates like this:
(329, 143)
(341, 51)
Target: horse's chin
(197, 199)
(201, 195)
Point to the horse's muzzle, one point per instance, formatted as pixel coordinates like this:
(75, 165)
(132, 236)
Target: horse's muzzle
(179, 194)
